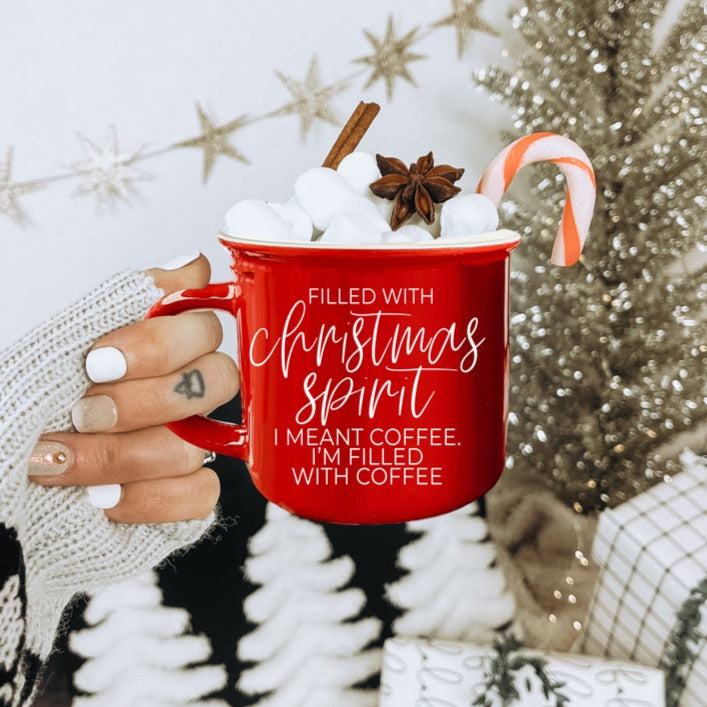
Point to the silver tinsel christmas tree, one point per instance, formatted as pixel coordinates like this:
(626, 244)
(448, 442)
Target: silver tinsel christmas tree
(607, 364)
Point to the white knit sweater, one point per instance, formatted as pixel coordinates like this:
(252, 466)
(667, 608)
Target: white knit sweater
(53, 543)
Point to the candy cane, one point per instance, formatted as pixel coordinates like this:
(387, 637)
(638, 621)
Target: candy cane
(581, 185)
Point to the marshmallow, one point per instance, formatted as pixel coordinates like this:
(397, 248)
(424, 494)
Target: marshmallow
(359, 169)
(296, 218)
(385, 206)
(407, 234)
(256, 219)
(349, 228)
(433, 228)
(323, 193)
(368, 209)
(468, 215)
(293, 201)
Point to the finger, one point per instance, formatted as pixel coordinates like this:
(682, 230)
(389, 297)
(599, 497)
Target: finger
(153, 347)
(167, 500)
(204, 384)
(69, 459)
(194, 274)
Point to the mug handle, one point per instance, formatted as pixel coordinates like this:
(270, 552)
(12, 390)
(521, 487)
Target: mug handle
(222, 437)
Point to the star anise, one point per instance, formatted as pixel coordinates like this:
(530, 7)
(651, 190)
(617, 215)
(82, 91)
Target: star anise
(417, 189)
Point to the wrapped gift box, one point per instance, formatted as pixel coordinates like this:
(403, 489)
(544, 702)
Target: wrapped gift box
(436, 673)
(652, 552)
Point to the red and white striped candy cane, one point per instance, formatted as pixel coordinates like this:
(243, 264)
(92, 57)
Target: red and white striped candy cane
(581, 185)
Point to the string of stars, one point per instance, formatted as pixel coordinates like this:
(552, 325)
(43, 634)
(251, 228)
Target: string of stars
(109, 172)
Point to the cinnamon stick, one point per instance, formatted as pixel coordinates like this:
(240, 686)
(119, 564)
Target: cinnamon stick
(352, 133)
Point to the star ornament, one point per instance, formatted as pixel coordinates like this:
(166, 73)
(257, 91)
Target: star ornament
(465, 17)
(391, 57)
(9, 191)
(310, 98)
(214, 140)
(107, 171)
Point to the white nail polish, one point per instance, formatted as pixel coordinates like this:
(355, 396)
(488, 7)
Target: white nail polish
(104, 496)
(106, 364)
(180, 261)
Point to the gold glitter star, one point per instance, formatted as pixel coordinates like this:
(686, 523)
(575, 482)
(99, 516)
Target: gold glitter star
(465, 17)
(391, 57)
(9, 191)
(107, 171)
(214, 140)
(311, 99)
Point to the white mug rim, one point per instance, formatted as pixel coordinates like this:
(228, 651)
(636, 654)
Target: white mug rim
(500, 237)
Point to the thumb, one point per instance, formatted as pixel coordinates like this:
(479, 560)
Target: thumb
(184, 272)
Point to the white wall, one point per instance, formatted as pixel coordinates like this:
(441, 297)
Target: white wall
(141, 66)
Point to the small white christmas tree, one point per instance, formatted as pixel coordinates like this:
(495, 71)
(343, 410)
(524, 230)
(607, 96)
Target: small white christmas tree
(140, 652)
(452, 590)
(306, 648)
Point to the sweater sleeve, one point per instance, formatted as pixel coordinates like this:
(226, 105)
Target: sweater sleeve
(53, 542)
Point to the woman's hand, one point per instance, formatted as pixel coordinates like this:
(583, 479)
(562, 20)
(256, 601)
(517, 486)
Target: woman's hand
(146, 374)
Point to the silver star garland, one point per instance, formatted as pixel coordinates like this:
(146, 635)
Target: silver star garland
(465, 18)
(311, 98)
(9, 191)
(107, 171)
(110, 174)
(391, 57)
(214, 140)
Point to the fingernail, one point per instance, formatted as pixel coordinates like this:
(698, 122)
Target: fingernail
(96, 413)
(104, 496)
(49, 459)
(106, 364)
(180, 261)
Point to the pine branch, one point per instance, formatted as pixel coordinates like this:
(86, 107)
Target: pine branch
(499, 681)
(682, 37)
(683, 644)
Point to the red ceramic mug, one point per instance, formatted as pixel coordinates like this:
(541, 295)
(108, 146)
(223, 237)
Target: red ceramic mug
(374, 379)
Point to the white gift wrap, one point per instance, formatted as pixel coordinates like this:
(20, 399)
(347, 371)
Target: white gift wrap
(653, 552)
(419, 672)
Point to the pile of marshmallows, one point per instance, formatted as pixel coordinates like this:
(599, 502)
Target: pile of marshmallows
(336, 206)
